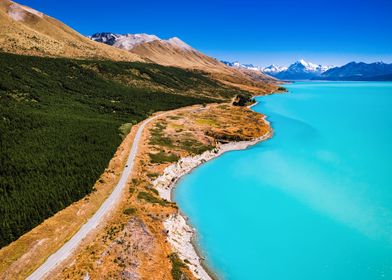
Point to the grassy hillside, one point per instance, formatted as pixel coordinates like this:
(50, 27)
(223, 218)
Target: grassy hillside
(60, 125)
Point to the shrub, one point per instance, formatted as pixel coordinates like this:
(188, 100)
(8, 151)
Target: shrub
(152, 199)
(163, 157)
(129, 211)
(178, 267)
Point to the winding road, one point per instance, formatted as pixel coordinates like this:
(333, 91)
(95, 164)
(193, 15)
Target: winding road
(68, 248)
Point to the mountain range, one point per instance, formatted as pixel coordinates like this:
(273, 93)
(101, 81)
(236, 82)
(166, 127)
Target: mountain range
(299, 70)
(303, 70)
(175, 52)
(360, 71)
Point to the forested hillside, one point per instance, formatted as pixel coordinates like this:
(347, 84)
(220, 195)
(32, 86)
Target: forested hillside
(59, 126)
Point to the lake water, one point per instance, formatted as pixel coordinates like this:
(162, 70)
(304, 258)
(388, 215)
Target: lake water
(314, 202)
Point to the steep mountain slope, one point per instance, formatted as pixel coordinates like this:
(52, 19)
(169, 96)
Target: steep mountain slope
(175, 52)
(171, 52)
(360, 71)
(26, 31)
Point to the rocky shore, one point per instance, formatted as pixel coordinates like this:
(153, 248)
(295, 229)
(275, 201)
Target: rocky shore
(179, 233)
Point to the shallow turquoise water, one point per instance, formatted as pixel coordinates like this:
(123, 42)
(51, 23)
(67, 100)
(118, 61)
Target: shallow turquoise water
(314, 202)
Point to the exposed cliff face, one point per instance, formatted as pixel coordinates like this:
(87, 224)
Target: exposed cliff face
(24, 30)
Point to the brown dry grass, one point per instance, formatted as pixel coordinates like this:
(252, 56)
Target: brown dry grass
(161, 53)
(46, 36)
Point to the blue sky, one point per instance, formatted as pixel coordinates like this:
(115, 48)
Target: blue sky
(259, 32)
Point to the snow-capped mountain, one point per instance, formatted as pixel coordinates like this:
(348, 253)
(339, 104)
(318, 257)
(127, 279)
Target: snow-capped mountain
(272, 69)
(130, 41)
(237, 64)
(304, 66)
(298, 70)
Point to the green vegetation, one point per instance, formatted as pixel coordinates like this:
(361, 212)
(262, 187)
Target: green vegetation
(194, 147)
(243, 100)
(178, 267)
(153, 176)
(209, 122)
(61, 121)
(125, 129)
(155, 191)
(158, 138)
(152, 199)
(129, 211)
(163, 157)
(191, 145)
(282, 89)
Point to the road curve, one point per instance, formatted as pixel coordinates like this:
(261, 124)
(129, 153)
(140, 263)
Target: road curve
(67, 249)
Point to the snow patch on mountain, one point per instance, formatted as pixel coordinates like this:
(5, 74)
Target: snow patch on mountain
(237, 64)
(129, 41)
(126, 41)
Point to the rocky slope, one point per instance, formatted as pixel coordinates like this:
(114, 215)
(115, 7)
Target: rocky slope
(24, 30)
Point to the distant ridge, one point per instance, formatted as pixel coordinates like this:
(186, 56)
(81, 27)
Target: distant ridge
(360, 71)
(303, 70)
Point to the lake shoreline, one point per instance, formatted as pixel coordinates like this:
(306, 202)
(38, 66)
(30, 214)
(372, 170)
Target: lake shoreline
(180, 234)
(302, 144)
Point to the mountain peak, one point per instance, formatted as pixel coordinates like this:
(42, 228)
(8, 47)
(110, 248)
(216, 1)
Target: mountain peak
(360, 71)
(302, 61)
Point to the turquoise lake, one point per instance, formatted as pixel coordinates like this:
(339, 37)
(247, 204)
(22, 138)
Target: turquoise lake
(314, 202)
